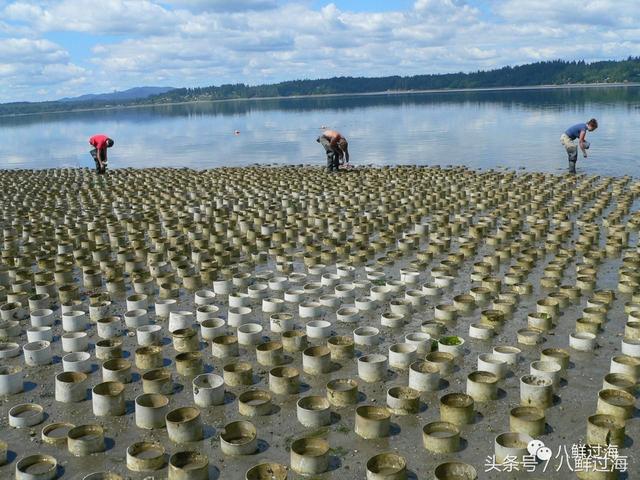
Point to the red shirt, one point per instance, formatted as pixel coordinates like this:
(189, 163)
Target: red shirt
(99, 141)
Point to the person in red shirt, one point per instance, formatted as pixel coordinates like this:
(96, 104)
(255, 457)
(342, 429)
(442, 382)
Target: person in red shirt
(99, 153)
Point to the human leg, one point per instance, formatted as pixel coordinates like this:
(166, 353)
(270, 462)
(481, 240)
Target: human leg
(94, 154)
(337, 155)
(332, 163)
(331, 160)
(102, 163)
(336, 162)
(572, 152)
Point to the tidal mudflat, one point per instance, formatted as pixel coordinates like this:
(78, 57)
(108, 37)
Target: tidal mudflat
(405, 322)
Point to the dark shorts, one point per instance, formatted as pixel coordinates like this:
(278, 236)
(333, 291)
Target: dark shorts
(94, 154)
(333, 153)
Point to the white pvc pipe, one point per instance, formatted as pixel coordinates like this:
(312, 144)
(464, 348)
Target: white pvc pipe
(208, 390)
(74, 321)
(70, 387)
(149, 335)
(180, 319)
(75, 342)
(77, 362)
(11, 379)
(42, 318)
(37, 353)
(35, 334)
(136, 318)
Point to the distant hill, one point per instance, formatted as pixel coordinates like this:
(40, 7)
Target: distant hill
(136, 93)
(554, 72)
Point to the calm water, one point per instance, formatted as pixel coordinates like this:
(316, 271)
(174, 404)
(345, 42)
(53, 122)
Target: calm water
(478, 129)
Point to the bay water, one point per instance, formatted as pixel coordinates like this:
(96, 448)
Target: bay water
(479, 129)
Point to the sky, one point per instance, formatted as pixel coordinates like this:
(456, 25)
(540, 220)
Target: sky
(56, 48)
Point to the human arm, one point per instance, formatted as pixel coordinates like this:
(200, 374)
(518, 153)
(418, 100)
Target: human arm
(583, 133)
(101, 155)
(345, 151)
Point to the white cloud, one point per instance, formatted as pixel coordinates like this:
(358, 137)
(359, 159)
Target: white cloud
(224, 5)
(453, 9)
(595, 13)
(30, 51)
(205, 42)
(28, 65)
(89, 16)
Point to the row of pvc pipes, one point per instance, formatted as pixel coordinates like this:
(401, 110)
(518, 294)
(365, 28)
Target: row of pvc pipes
(114, 248)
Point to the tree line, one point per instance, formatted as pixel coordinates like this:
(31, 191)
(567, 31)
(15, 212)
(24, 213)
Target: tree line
(555, 72)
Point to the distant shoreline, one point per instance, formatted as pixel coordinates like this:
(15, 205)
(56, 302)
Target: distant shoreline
(331, 95)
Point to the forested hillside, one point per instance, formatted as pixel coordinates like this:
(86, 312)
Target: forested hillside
(557, 72)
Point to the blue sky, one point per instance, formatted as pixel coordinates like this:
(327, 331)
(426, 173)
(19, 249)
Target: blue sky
(56, 48)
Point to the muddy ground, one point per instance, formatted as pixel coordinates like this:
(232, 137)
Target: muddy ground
(566, 419)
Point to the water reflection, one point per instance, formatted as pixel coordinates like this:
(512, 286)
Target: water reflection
(480, 129)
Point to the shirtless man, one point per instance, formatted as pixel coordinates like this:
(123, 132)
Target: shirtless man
(99, 153)
(335, 146)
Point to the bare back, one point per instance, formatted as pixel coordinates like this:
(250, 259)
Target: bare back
(331, 135)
